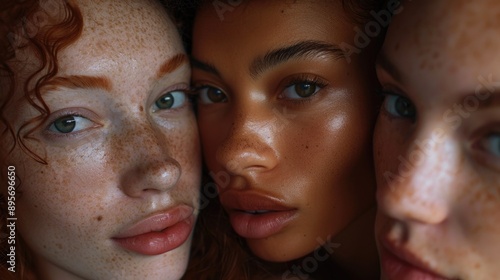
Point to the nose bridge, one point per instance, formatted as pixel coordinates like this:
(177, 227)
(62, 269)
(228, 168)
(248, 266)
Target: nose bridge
(151, 168)
(425, 176)
(250, 142)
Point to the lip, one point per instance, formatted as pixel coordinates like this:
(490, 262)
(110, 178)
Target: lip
(398, 264)
(272, 216)
(159, 233)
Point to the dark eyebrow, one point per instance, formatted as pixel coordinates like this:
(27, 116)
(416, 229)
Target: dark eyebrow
(387, 65)
(205, 66)
(303, 49)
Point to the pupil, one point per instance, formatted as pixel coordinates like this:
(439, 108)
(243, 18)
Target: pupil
(165, 102)
(305, 90)
(404, 108)
(65, 124)
(215, 95)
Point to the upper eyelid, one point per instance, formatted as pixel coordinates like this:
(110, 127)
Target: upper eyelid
(312, 80)
(71, 112)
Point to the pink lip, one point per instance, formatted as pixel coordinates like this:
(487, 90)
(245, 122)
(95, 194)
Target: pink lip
(159, 233)
(274, 215)
(399, 264)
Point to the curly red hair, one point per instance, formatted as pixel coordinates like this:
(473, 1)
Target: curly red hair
(21, 29)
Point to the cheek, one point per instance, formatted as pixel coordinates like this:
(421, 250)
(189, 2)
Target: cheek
(57, 208)
(186, 151)
(479, 202)
(387, 145)
(212, 133)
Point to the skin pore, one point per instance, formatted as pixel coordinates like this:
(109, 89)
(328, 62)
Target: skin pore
(437, 142)
(121, 149)
(286, 124)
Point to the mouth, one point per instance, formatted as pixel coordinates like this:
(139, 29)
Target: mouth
(256, 215)
(398, 263)
(158, 233)
(256, 212)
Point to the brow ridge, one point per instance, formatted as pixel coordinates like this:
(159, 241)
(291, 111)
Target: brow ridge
(302, 49)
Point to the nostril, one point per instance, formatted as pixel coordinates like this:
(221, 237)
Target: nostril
(246, 157)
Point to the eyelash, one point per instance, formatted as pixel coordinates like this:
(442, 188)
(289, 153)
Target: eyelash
(389, 93)
(302, 79)
(299, 79)
(482, 148)
(61, 114)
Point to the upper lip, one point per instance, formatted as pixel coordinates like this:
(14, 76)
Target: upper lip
(157, 221)
(250, 201)
(408, 257)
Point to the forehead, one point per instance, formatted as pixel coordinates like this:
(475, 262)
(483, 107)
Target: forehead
(274, 22)
(462, 32)
(121, 30)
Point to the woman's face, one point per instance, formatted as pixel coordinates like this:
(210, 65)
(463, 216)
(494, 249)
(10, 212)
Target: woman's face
(285, 121)
(437, 142)
(118, 196)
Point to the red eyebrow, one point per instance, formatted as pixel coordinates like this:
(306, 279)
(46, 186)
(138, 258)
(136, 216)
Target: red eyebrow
(170, 65)
(76, 81)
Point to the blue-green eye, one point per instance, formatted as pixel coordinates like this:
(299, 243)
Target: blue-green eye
(303, 89)
(399, 106)
(170, 100)
(492, 144)
(69, 124)
(209, 95)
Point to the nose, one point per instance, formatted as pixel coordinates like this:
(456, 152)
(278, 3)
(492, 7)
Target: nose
(152, 168)
(421, 182)
(250, 144)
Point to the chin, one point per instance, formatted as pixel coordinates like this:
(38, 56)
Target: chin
(277, 250)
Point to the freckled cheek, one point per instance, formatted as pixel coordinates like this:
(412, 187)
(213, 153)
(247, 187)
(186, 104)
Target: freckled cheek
(186, 150)
(386, 148)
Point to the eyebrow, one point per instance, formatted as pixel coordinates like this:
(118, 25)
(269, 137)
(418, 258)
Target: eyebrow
(84, 81)
(79, 81)
(303, 49)
(493, 91)
(205, 66)
(171, 64)
(384, 62)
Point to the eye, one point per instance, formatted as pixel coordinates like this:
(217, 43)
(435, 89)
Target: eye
(301, 89)
(208, 95)
(399, 106)
(170, 100)
(491, 144)
(70, 123)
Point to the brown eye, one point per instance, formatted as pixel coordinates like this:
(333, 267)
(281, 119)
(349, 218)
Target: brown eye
(301, 90)
(208, 95)
(305, 89)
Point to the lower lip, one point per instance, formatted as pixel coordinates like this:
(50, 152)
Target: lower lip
(159, 242)
(255, 226)
(394, 268)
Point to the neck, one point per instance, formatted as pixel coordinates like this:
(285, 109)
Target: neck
(357, 254)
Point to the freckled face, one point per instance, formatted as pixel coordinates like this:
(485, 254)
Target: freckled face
(118, 151)
(288, 135)
(437, 141)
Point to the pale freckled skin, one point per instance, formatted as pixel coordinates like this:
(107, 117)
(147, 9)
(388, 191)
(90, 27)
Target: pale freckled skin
(131, 161)
(443, 210)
